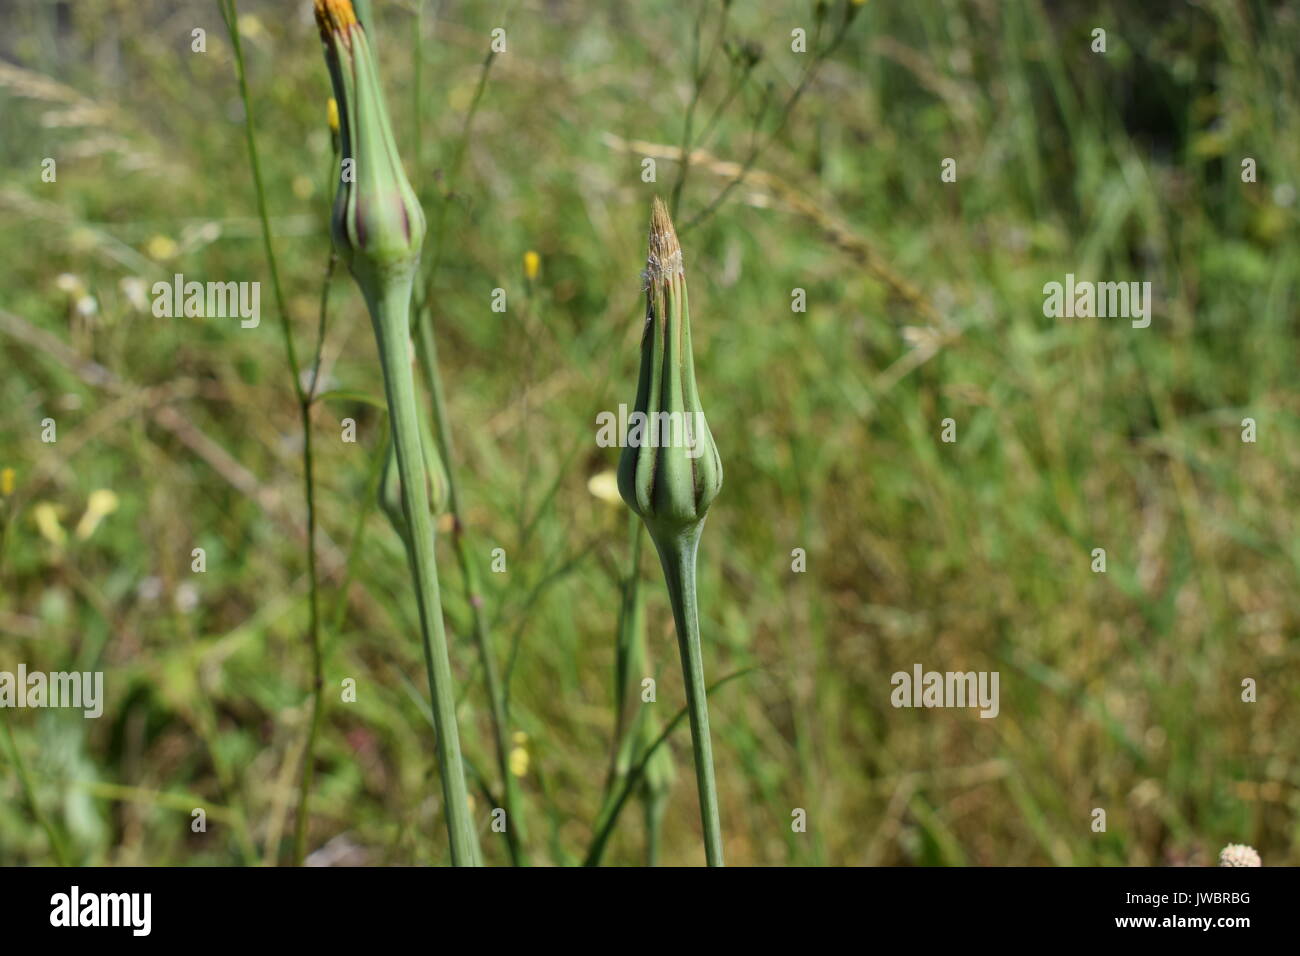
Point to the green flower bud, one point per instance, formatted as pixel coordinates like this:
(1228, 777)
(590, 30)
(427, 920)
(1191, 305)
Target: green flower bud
(669, 472)
(390, 485)
(377, 223)
(660, 774)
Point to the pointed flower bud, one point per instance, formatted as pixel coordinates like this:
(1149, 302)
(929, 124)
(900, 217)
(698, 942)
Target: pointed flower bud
(669, 472)
(377, 222)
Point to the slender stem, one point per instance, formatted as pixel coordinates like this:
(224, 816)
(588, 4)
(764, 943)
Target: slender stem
(625, 637)
(307, 399)
(390, 312)
(699, 77)
(426, 348)
(622, 752)
(304, 399)
(678, 558)
(637, 774)
(516, 832)
(231, 14)
(820, 55)
(317, 659)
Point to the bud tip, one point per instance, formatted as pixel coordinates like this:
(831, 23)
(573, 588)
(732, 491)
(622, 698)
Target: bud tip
(665, 258)
(334, 16)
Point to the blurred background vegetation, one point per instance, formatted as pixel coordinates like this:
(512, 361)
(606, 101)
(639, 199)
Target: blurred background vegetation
(924, 302)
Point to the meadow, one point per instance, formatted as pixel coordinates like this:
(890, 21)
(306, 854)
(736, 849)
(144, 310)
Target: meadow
(920, 463)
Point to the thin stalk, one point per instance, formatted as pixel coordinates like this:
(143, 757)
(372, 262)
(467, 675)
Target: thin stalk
(390, 312)
(307, 399)
(621, 753)
(678, 559)
(427, 352)
(304, 401)
(516, 833)
(699, 77)
(626, 636)
(634, 777)
(417, 83)
(820, 55)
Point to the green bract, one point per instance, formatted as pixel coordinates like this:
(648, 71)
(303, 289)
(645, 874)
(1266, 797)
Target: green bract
(669, 472)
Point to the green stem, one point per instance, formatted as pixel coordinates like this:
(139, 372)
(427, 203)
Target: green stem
(317, 658)
(677, 554)
(304, 400)
(516, 834)
(307, 400)
(627, 643)
(637, 774)
(390, 312)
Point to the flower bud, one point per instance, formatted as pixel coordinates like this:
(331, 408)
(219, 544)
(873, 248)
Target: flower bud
(390, 485)
(377, 223)
(669, 472)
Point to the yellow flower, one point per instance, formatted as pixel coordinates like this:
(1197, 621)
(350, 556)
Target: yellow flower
(101, 504)
(519, 761)
(250, 26)
(532, 263)
(46, 517)
(161, 248)
(6, 481)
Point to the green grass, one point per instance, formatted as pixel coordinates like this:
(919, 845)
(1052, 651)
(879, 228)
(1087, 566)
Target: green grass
(1119, 691)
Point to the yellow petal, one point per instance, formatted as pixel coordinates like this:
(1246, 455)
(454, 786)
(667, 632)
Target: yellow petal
(519, 761)
(46, 517)
(161, 247)
(102, 502)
